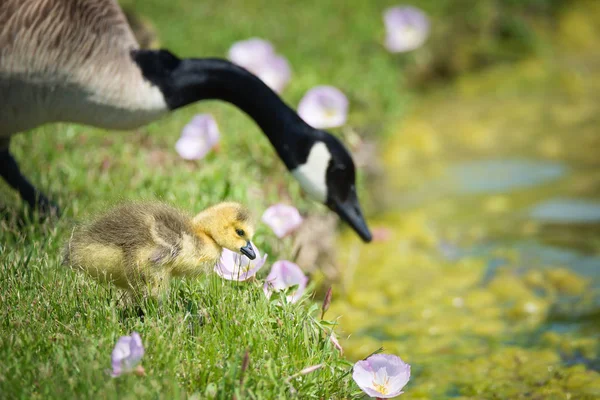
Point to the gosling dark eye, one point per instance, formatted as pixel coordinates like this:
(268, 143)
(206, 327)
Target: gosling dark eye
(240, 232)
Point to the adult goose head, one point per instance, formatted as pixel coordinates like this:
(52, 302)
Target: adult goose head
(79, 62)
(317, 159)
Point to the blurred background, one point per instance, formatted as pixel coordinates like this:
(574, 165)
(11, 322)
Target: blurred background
(478, 153)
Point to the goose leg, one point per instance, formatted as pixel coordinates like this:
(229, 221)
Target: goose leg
(9, 170)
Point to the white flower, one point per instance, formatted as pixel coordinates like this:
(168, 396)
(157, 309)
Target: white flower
(381, 375)
(324, 107)
(253, 51)
(237, 267)
(406, 27)
(284, 275)
(259, 57)
(282, 219)
(198, 137)
(127, 354)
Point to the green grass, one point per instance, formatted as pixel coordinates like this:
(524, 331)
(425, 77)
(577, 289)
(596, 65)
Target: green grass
(59, 327)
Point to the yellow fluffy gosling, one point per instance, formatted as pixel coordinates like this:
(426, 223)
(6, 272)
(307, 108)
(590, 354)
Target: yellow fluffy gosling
(139, 246)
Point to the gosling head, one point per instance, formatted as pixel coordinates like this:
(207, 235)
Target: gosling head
(230, 225)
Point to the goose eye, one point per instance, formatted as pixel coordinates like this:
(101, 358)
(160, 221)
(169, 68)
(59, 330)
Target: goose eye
(240, 232)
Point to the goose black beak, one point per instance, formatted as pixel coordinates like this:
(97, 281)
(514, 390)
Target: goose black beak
(248, 251)
(350, 212)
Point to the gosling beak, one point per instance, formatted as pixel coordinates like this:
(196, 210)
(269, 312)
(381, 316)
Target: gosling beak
(248, 251)
(350, 212)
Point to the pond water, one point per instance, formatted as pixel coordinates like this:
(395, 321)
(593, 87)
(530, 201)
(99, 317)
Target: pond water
(486, 274)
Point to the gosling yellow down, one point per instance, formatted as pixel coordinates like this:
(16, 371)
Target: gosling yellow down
(140, 246)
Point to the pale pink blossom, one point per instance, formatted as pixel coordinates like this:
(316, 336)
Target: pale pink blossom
(381, 375)
(407, 28)
(284, 275)
(198, 137)
(237, 267)
(250, 52)
(324, 107)
(282, 219)
(258, 56)
(127, 354)
(275, 73)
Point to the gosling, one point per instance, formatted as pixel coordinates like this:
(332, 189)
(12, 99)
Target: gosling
(140, 246)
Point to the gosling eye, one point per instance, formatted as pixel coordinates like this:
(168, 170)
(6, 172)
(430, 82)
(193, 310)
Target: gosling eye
(240, 232)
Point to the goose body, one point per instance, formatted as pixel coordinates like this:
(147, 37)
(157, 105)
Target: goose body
(140, 246)
(78, 61)
(70, 61)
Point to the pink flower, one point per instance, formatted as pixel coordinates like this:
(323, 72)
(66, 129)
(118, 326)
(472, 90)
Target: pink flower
(275, 73)
(284, 275)
(282, 219)
(407, 28)
(237, 267)
(198, 137)
(324, 107)
(259, 57)
(252, 51)
(381, 375)
(127, 354)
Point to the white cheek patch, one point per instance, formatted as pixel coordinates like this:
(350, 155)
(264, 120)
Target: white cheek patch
(312, 174)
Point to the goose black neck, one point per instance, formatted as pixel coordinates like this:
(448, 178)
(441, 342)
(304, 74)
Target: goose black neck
(185, 81)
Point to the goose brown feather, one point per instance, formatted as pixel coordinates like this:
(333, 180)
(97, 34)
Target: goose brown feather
(70, 61)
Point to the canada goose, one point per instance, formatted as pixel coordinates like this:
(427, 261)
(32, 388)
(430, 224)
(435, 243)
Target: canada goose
(78, 61)
(139, 246)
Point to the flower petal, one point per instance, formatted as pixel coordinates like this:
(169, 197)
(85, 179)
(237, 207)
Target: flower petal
(275, 72)
(136, 348)
(324, 107)
(250, 52)
(258, 56)
(120, 353)
(393, 364)
(237, 267)
(198, 137)
(407, 28)
(380, 369)
(282, 219)
(362, 374)
(127, 354)
(285, 274)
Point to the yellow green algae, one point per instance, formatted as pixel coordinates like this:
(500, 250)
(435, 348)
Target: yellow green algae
(453, 289)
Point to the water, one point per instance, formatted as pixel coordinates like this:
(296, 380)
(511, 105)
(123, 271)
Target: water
(567, 211)
(489, 280)
(502, 176)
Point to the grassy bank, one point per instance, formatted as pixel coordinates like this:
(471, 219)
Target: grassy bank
(59, 327)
